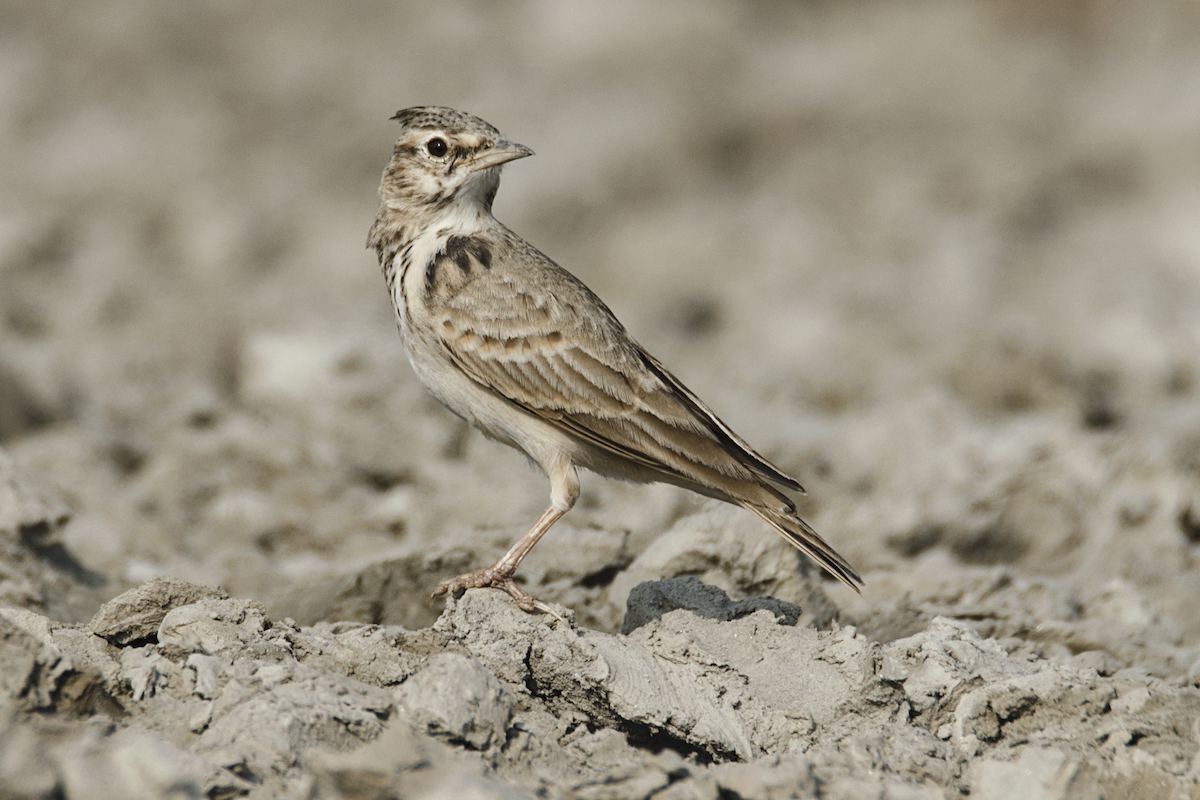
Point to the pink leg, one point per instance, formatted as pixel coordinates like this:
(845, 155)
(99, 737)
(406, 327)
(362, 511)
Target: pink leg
(564, 490)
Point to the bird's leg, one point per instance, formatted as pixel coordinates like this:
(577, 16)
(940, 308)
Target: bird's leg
(500, 574)
(564, 490)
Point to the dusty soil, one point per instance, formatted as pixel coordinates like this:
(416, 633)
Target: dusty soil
(939, 260)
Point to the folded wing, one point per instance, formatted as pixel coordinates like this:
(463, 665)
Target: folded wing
(582, 373)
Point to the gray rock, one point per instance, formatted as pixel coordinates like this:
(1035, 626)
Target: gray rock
(27, 509)
(404, 762)
(263, 723)
(27, 768)
(650, 600)
(32, 667)
(371, 653)
(213, 625)
(223, 706)
(130, 764)
(455, 697)
(674, 677)
(724, 547)
(37, 569)
(136, 615)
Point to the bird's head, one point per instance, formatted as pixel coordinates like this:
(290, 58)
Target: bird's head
(445, 161)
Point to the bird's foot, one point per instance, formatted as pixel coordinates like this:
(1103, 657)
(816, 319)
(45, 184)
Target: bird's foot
(497, 578)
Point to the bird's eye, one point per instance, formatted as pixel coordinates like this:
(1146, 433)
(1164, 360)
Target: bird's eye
(436, 147)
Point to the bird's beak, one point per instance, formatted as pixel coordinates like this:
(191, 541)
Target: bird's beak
(502, 153)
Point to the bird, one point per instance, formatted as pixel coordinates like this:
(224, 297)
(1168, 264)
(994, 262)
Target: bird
(523, 351)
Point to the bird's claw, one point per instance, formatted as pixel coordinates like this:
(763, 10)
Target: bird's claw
(497, 579)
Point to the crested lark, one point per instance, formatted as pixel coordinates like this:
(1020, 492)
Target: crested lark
(522, 350)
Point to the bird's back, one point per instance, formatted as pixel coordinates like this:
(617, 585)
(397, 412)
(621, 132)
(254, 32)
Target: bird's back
(533, 333)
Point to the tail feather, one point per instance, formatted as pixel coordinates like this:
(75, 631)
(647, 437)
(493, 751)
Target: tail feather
(809, 542)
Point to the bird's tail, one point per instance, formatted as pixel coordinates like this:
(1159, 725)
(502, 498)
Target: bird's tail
(809, 542)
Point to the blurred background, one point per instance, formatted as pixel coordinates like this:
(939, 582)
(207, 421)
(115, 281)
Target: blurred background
(940, 260)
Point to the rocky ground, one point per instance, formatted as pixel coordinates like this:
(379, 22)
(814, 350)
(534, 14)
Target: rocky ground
(939, 260)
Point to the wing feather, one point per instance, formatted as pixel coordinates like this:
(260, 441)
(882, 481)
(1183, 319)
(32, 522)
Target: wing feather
(809, 542)
(753, 460)
(544, 341)
(606, 390)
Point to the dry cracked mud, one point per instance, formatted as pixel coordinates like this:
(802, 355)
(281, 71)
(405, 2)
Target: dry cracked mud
(941, 261)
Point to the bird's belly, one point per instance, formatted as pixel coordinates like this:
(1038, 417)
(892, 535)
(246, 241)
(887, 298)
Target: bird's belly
(466, 398)
(491, 414)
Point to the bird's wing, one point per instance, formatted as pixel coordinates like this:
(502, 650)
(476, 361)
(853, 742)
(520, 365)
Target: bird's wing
(556, 351)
